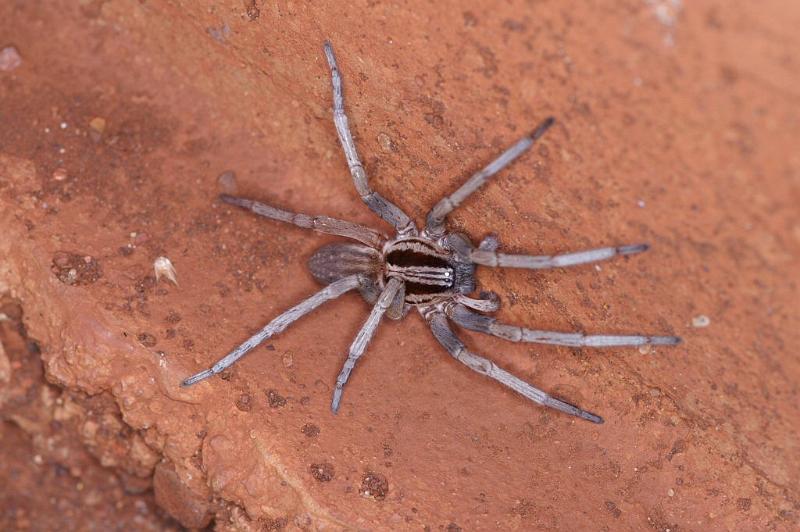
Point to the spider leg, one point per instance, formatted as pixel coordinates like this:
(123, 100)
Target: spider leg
(435, 219)
(369, 291)
(377, 203)
(332, 291)
(487, 302)
(464, 317)
(320, 224)
(441, 330)
(363, 338)
(398, 308)
(487, 257)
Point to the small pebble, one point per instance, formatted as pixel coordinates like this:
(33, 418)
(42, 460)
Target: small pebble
(645, 349)
(60, 174)
(386, 142)
(164, 268)
(227, 182)
(701, 321)
(641, 204)
(9, 59)
(252, 10)
(97, 126)
(671, 492)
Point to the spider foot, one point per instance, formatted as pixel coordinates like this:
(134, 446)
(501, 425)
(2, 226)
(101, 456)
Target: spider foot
(194, 379)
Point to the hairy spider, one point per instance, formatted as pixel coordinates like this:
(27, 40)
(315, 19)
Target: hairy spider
(432, 270)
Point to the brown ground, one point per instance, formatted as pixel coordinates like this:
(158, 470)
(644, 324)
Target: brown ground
(678, 131)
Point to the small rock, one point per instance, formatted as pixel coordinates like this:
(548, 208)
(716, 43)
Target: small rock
(744, 504)
(252, 10)
(163, 267)
(147, 339)
(97, 126)
(275, 399)
(244, 402)
(310, 430)
(612, 507)
(60, 174)
(9, 59)
(75, 269)
(386, 142)
(98, 123)
(374, 485)
(701, 321)
(322, 472)
(227, 182)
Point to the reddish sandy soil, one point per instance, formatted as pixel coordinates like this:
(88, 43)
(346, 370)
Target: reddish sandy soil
(676, 130)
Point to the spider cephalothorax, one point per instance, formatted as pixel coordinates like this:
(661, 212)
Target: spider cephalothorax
(432, 270)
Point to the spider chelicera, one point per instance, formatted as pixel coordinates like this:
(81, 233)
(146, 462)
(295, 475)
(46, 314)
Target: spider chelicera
(432, 270)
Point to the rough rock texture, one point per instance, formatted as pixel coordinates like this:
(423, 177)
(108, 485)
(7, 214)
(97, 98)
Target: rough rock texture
(54, 444)
(676, 126)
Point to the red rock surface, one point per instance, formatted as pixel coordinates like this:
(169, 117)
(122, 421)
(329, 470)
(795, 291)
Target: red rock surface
(676, 130)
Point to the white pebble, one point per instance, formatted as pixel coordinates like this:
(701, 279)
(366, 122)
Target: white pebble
(701, 321)
(9, 59)
(163, 267)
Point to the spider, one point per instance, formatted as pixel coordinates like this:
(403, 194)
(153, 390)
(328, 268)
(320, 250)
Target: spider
(432, 270)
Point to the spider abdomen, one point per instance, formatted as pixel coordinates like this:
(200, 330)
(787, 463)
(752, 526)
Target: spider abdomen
(337, 261)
